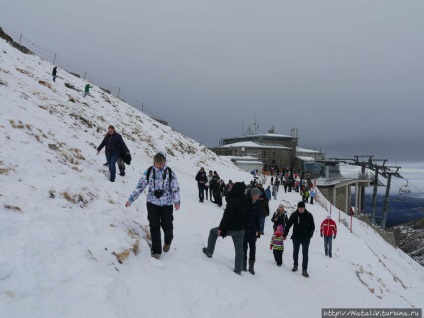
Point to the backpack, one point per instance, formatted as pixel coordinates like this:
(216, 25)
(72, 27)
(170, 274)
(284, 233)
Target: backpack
(149, 170)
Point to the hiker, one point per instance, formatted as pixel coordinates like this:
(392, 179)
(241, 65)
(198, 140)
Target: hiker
(218, 192)
(201, 179)
(279, 217)
(113, 143)
(277, 245)
(87, 89)
(303, 230)
(54, 73)
(232, 224)
(264, 202)
(328, 230)
(210, 190)
(312, 195)
(162, 196)
(252, 229)
(213, 183)
(274, 190)
(268, 193)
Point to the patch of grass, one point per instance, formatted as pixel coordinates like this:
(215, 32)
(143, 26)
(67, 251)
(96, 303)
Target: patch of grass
(44, 83)
(25, 72)
(69, 198)
(68, 85)
(14, 208)
(38, 138)
(121, 257)
(77, 153)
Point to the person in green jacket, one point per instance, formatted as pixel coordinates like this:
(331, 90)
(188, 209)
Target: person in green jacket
(87, 89)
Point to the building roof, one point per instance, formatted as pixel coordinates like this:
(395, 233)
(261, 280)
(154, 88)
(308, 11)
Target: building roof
(306, 150)
(247, 157)
(251, 144)
(304, 158)
(249, 162)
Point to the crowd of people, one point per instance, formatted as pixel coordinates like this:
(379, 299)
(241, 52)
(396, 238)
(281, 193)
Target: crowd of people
(247, 207)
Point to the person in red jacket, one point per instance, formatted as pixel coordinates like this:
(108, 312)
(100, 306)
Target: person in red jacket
(328, 231)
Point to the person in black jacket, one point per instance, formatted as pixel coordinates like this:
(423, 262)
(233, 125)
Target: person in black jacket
(232, 224)
(303, 229)
(252, 230)
(54, 73)
(201, 179)
(113, 143)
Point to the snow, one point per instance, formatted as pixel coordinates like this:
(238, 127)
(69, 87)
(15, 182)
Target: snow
(251, 144)
(62, 222)
(305, 150)
(304, 158)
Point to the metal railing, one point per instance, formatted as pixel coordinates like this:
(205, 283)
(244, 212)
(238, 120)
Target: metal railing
(63, 63)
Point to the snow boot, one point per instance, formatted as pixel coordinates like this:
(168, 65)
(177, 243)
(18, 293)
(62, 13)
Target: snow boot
(294, 269)
(205, 250)
(252, 267)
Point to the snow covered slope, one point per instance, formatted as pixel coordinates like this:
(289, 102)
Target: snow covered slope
(69, 247)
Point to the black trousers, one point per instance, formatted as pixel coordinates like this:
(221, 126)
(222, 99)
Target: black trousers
(278, 256)
(160, 216)
(252, 249)
(305, 251)
(201, 187)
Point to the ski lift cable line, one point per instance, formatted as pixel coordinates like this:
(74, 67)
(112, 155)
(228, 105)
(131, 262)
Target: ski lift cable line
(410, 185)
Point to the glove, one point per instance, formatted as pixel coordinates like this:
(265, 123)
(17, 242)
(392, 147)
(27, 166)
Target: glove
(258, 234)
(284, 238)
(334, 236)
(270, 247)
(322, 235)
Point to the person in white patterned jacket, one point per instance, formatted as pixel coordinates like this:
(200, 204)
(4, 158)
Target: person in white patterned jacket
(163, 195)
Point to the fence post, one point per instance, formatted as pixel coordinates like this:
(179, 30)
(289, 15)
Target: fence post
(85, 73)
(20, 38)
(54, 59)
(119, 90)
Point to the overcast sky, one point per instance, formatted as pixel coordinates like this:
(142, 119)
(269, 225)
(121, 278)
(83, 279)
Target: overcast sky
(348, 74)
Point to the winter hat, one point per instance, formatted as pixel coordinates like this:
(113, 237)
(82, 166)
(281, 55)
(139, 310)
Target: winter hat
(328, 216)
(301, 205)
(280, 228)
(281, 205)
(255, 191)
